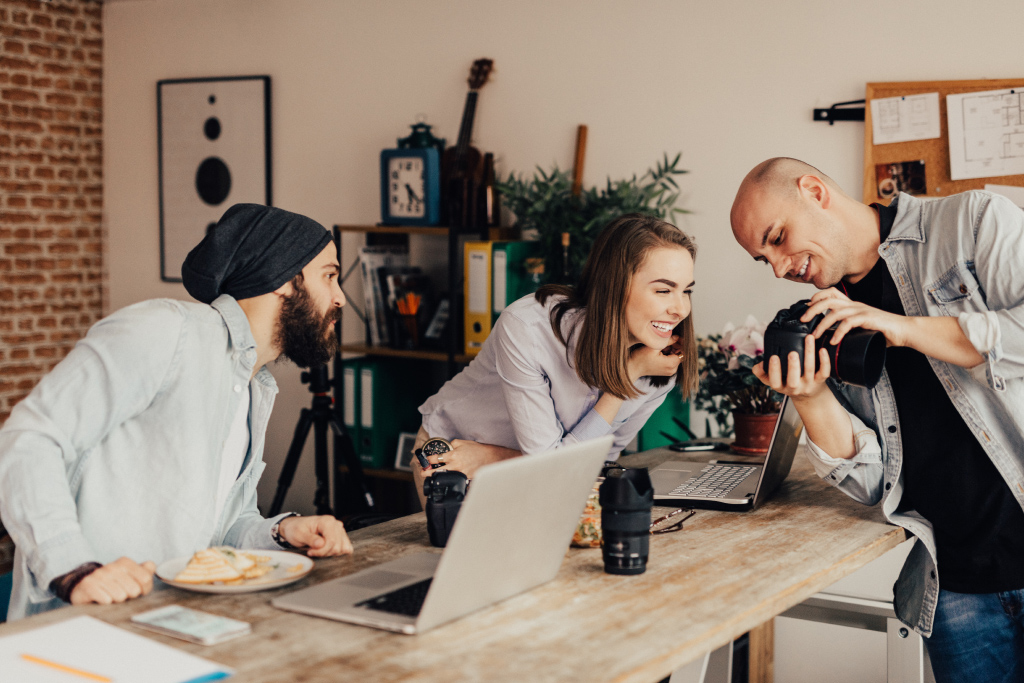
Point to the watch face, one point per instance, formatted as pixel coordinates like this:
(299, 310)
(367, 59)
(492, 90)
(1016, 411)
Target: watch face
(406, 187)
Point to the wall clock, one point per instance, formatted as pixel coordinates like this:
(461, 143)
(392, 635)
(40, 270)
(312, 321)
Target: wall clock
(410, 188)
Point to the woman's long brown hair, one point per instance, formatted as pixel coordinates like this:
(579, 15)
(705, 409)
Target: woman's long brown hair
(602, 348)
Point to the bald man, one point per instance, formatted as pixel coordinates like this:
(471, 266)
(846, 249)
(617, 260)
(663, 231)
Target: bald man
(939, 441)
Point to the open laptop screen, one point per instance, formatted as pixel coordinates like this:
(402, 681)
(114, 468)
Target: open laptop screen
(780, 456)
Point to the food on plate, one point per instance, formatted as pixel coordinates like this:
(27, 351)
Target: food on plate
(222, 564)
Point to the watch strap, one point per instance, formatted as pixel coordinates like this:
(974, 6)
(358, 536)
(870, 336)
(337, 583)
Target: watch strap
(275, 532)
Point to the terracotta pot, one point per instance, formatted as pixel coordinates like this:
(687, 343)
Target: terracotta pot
(753, 432)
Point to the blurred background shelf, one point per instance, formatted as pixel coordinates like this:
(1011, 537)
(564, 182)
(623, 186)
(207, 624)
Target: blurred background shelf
(421, 354)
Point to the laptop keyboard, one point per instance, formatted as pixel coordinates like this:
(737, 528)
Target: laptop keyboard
(407, 600)
(714, 481)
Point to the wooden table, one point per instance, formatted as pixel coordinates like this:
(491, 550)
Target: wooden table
(723, 575)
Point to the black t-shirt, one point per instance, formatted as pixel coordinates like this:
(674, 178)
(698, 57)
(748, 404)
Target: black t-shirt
(947, 476)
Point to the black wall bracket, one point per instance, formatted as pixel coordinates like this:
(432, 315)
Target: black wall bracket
(834, 113)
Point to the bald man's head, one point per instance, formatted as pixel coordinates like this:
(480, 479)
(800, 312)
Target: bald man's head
(791, 216)
(779, 176)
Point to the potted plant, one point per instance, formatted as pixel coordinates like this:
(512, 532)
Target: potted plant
(547, 204)
(729, 391)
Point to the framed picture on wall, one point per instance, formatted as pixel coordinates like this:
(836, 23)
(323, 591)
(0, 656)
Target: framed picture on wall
(213, 137)
(404, 456)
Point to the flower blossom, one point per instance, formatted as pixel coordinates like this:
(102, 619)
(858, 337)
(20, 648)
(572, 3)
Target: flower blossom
(747, 340)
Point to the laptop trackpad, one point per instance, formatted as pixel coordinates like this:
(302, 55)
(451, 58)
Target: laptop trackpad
(665, 481)
(379, 579)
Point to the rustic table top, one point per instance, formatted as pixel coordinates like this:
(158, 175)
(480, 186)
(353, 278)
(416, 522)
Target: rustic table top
(723, 575)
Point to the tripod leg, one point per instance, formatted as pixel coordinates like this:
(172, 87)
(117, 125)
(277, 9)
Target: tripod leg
(355, 467)
(292, 461)
(321, 499)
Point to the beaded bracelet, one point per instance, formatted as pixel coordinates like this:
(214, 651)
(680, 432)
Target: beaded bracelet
(64, 585)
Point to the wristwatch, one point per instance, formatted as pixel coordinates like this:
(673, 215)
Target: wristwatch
(275, 532)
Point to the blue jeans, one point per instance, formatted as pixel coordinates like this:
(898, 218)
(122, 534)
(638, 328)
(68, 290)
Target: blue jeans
(978, 637)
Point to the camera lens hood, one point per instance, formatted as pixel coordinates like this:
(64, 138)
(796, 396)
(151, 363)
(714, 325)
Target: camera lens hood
(859, 357)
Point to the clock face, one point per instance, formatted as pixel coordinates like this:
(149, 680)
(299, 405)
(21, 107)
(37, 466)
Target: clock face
(406, 187)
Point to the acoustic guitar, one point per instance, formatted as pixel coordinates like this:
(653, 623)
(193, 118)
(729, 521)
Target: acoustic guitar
(462, 165)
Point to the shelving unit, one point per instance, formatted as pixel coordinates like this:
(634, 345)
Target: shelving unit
(395, 485)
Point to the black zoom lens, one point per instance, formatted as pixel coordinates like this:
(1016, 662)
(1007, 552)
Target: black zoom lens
(626, 498)
(858, 359)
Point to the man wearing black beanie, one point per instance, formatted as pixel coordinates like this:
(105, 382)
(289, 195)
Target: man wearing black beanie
(145, 443)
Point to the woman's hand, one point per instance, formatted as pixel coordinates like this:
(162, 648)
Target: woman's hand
(468, 456)
(647, 362)
(809, 384)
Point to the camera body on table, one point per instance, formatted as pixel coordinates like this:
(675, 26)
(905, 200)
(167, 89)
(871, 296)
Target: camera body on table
(444, 491)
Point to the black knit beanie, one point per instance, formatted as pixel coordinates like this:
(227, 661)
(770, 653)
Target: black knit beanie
(253, 249)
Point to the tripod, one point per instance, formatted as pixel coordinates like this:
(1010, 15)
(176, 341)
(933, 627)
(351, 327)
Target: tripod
(319, 417)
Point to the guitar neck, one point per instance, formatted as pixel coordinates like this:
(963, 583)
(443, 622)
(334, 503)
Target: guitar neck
(466, 127)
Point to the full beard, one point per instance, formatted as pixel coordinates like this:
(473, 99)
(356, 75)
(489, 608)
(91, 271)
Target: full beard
(304, 336)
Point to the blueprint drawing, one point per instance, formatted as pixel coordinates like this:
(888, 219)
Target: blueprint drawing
(986, 133)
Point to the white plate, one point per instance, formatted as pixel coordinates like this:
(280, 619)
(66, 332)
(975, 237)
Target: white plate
(287, 568)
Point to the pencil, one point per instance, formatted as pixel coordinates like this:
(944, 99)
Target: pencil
(65, 669)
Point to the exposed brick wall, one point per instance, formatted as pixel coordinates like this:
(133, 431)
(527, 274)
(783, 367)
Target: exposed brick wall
(51, 185)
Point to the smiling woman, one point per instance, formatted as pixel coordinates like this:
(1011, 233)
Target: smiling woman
(576, 362)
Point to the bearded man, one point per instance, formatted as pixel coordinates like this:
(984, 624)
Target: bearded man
(145, 443)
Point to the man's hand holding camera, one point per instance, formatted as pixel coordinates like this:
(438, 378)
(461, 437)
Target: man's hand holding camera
(840, 309)
(798, 385)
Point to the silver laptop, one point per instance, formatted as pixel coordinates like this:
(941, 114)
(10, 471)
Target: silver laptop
(511, 535)
(725, 485)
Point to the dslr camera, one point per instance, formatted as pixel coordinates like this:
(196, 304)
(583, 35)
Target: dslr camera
(858, 359)
(444, 491)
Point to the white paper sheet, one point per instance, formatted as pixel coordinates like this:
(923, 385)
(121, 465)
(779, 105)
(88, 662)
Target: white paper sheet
(900, 119)
(986, 133)
(96, 647)
(1015, 193)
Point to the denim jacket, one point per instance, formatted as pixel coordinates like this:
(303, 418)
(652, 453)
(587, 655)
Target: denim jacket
(958, 256)
(117, 451)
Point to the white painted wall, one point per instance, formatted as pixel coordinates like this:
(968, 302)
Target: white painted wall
(727, 83)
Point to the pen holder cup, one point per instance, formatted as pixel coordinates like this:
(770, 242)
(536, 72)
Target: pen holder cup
(412, 330)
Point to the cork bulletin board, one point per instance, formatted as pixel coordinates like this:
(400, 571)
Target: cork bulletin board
(933, 153)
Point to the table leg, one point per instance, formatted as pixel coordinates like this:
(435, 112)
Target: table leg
(761, 653)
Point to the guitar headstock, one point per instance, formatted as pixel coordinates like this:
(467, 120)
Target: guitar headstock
(479, 73)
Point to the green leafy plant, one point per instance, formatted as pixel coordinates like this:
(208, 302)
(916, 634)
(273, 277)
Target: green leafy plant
(727, 383)
(546, 203)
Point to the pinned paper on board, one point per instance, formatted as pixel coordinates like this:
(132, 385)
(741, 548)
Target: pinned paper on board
(986, 133)
(905, 118)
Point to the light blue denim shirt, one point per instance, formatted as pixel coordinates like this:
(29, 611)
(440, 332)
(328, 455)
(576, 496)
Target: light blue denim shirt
(959, 256)
(117, 451)
(521, 392)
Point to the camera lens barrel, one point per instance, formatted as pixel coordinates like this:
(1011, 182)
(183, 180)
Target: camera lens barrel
(626, 498)
(858, 359)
